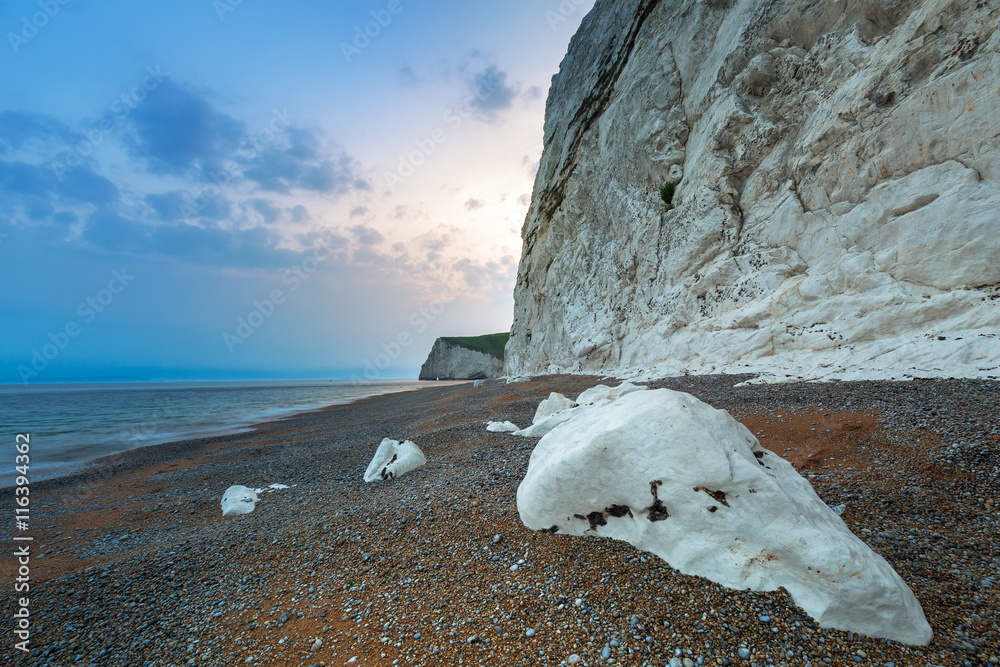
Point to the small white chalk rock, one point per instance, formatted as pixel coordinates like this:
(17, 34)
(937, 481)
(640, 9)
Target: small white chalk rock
(540, 428)
(675, 477)
(394, 459)
(501, 427)
(238, 500)
(557, 409)
(552, 405)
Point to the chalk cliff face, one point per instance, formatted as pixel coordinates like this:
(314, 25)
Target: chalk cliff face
(450, 361)
(837, 209)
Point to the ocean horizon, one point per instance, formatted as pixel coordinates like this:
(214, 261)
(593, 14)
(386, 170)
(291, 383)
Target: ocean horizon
(73, 423)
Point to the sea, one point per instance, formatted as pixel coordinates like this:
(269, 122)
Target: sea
(71, 424)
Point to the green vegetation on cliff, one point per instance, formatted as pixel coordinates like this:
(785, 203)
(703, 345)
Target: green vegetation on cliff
(490, 343)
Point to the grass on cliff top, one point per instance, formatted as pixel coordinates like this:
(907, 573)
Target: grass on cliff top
(490, 343)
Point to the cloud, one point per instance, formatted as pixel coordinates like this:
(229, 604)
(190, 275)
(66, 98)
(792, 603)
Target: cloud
(301, 161)
(179, 138)
(492, 92)
(24, 183)
(365, 235)
(21, 178)
(87, 186)
(359, 211)
(533, 93)
(176, 130)
(257, 246)
(474, 204)
(269, 210)
(408, 76)
(173, 206)
(111, 231)
(19, 129)
(524, 200)
(300, 215)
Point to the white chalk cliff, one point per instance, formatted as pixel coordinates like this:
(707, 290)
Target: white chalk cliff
(450, 361)
(837, 208)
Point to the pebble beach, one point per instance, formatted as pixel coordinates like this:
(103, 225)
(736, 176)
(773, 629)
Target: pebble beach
(133, 563)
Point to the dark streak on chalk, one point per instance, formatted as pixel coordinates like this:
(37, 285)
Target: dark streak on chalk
(618, 511)
(596, 519)
(718, 496)
(657, 511)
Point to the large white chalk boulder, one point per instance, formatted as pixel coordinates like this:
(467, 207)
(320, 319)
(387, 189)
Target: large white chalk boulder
(554, 404)
(393, 459)
(238, 500)
(680, 479)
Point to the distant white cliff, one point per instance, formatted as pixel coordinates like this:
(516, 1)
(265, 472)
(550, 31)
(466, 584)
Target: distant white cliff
(465, 358)
(836, 204)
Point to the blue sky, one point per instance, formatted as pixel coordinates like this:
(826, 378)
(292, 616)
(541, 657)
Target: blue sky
(228, 189)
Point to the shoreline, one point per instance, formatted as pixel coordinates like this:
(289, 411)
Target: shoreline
(235, 426)
(386, 562)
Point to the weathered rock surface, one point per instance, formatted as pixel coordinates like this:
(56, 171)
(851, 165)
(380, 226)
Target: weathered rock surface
(394, 459)
(680, 479)
(837, 212)
(449, 361)
(605, 394)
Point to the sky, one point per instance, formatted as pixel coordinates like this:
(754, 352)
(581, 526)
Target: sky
(239, 189)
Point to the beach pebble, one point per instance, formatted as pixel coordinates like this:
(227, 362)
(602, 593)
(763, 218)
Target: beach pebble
(573, 659)
(296, 581)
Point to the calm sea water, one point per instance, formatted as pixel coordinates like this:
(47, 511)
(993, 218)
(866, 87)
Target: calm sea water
(74, 423)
